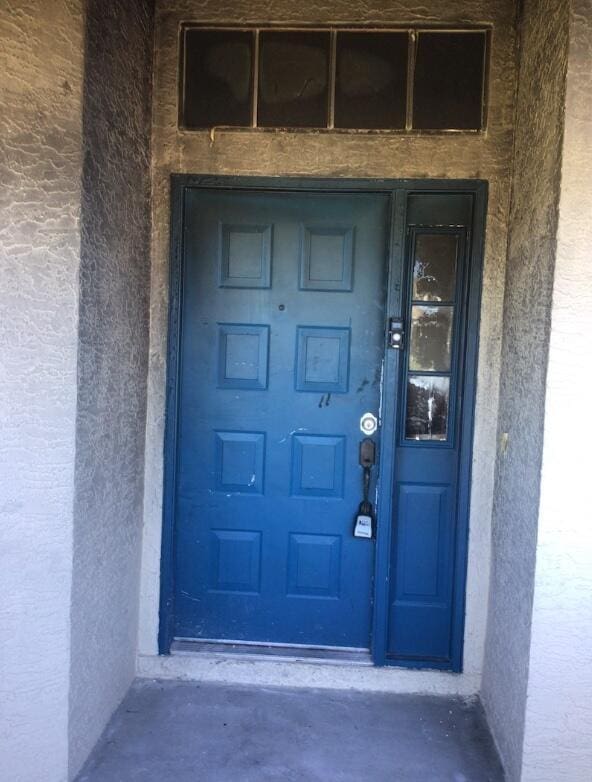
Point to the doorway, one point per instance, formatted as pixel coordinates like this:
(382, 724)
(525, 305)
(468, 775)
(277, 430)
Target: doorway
(287, 304)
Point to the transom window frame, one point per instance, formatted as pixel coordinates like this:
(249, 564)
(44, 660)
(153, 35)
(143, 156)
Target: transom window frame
(413, 32)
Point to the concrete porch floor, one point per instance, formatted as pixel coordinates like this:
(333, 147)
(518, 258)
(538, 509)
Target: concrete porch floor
(191, 732)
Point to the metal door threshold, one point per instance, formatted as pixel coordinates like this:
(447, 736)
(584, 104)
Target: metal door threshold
(287, 653)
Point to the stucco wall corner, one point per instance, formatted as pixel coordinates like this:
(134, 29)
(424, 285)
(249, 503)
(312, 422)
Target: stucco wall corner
(41, 64)
(533, 298)
(112, 364)
(558, 719)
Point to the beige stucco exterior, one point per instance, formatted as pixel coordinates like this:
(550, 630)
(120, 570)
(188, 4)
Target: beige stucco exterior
(536, 180)
(74, 217)
(40, 175)
(558, 719)
(84, 265)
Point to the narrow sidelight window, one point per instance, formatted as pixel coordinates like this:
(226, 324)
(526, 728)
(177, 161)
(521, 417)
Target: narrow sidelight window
(432, 314)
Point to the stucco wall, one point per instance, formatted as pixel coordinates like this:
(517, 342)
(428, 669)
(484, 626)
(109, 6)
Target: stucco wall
(486, 156)
(527, 306)
(40, 168)
(558, 725)
(112, 363)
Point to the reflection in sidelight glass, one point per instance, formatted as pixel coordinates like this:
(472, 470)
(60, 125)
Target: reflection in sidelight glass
(434, 267)
(431, 338)
(427, 407)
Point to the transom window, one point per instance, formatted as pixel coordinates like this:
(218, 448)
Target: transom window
(333, 79)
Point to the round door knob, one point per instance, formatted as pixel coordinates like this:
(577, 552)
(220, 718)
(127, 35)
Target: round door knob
(368, 423)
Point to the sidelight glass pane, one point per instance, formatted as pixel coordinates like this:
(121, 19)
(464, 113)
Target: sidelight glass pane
(218, 79)
(448, 83)
(434, 267)
(431, 338)
(427, 408)
(293, 79)
(371, 80)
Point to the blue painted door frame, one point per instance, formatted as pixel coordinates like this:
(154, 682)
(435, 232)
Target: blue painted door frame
(405, 195)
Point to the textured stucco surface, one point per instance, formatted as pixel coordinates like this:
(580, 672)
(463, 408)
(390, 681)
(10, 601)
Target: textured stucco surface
(74, 267)
(486, 156)
(558, 725)
(40, 168)
(112, 363)
(529, 281)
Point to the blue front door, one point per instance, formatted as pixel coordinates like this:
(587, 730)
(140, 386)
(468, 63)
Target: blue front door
(278, 346)
(280, 354)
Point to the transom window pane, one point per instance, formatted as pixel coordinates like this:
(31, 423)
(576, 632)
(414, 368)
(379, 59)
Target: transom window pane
(332, 79)
(218, 78)
(448, 85)
(293, 79)
(371, 80)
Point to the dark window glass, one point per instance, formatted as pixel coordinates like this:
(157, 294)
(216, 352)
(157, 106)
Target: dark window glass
(218, 84)
(293, 79)
(434, 267)
(427, 407)
(371, 80)
(448, 85)
(430, 344)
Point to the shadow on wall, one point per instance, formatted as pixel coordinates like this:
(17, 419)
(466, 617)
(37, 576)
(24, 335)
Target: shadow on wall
(112, 362)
